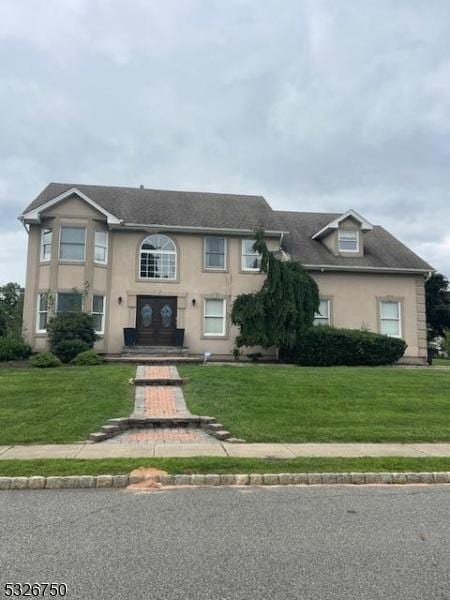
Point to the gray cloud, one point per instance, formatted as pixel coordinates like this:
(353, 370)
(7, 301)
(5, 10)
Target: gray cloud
(318, 105)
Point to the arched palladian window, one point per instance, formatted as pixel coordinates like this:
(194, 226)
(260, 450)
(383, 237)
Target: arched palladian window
(158, 258)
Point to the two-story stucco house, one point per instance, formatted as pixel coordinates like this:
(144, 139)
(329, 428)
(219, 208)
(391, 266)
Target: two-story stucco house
(158, 260)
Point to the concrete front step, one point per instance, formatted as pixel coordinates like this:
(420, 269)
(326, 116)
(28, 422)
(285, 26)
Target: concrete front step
(154, 360)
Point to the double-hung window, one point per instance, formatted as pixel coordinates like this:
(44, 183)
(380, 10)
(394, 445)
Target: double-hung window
(69, 302)
(251, 260)
(98, 313)
(215, 248)
(214, 317)
(46, 244)
(101, 247)
(390, 318)
(322, 317)
(72, 243)
(42, 313)
(348, 240)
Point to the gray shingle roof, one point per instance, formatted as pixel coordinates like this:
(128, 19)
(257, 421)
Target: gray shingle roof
(165, 207)
(381, 249)
(231, 211)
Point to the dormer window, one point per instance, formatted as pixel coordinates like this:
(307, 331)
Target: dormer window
(348, 240)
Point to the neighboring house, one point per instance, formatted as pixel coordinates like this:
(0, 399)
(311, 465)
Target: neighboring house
(157, 260)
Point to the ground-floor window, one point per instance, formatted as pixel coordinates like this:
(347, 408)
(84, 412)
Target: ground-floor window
(214, 316)
(98, 313)
(42, 313)
(69, 302)
(322, 316)
(390, 318)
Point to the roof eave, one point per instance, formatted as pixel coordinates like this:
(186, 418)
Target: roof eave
(199, 229)
(368, 269)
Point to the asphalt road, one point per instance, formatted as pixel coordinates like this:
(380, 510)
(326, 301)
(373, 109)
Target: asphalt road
(251, 543)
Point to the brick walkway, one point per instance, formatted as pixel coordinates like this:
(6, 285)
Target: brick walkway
(161, 401)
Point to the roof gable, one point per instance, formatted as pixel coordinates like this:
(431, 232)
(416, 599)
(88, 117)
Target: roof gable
(334, 224)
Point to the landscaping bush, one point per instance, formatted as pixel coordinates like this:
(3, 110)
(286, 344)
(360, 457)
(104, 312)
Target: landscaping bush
(68, 349)
(326, 346)
(71, 326)
(13, 348)
(89, 357)
(45, 360)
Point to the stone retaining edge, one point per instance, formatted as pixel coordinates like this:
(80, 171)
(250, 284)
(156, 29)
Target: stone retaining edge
(122, 481)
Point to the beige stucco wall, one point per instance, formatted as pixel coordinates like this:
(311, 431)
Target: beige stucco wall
(354, 296)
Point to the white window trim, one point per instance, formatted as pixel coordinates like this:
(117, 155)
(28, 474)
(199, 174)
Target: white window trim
(343, 231)
(102, 330)
(39, 312)
(43, 230)
(59, 244)
(205, 266)
(326, 320)
(243, 267)
(101, 262)
(173, 252)
(224, 318)
(399, 320)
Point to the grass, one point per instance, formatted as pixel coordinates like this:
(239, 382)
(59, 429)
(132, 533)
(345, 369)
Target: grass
(61, 405)
(114, 466)
(441, 362)
(343, 404)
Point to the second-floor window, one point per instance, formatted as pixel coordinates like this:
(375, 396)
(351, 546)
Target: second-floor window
(251, 260)
(101, 247)
(46, 244)
(72, 243)
(348, 240)
(158, 258)
(215, 253)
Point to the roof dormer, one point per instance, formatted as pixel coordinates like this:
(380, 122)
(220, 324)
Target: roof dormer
(344, 236)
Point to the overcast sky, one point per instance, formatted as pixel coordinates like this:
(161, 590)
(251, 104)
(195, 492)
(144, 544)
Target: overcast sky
(317, 105)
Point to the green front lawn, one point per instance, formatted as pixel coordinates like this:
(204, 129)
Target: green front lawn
(117, 466)
(343, 404)
(61, 405)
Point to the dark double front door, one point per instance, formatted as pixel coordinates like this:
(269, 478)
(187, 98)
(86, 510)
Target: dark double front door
(156, 320)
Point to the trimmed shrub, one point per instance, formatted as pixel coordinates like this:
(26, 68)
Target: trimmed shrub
(71, 326)
(45, 360)
(89, 357)
(68, 349)
(325, 346)
(12, 348)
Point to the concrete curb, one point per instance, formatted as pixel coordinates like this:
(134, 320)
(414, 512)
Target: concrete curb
(211, 479)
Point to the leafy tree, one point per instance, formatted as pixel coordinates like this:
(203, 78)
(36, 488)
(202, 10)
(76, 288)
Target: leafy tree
(437, 298)
(11, 309)
(283, 308)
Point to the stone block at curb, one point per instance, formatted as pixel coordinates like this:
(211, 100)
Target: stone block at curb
(167, 480)
(19, 483)
(426, 477)
(136, 478)
(358, 478)
(270, 479)
(227, 479)
(222, 434)
(212, 479)
(87, 481)
(373, 478)
(413, 477)
(182, 479)
(36, 482)
(439, 477)
(198, 479)
(301, 478)
(399, 478)
(328, 478)
(104, 481)
(256, 479)
(5, 483)
(343, 478)
(120, 481)
(71, 481)
(314, 478)
(242, 479)
(54, 483)
(286, 478)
